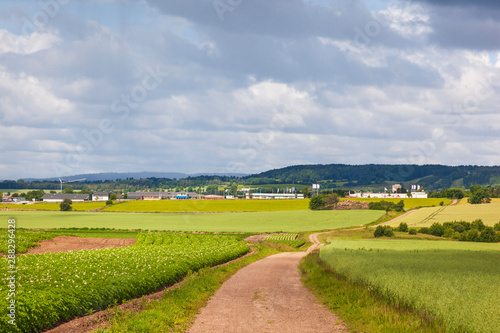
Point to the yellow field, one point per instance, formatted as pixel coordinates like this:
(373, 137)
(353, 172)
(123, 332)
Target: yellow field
(185, 206)
(410, 203)
(424, 217)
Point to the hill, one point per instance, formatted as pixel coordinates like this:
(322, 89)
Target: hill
(431, 177)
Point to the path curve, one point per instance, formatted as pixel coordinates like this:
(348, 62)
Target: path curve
(267, 296)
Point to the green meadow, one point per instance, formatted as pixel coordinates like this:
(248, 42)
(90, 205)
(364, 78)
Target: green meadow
(286, 221)
(425, 217)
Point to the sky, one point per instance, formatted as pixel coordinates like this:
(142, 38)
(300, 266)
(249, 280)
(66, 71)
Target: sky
(240, 86)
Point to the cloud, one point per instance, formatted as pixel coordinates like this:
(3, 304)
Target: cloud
(270, 84)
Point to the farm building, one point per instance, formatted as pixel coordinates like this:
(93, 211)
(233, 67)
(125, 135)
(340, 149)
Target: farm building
(59, 197)
(274, 196)
(100, 196)
(163, 195)
(421, 195)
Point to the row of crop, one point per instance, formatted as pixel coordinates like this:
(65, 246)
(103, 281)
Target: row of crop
(54, 287)
(282, 237)
(457, 287)
(289, 239)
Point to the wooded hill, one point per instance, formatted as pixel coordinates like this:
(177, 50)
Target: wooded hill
(431, 177)
(330, 176)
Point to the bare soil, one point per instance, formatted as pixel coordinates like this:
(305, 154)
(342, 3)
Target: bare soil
(70, 243)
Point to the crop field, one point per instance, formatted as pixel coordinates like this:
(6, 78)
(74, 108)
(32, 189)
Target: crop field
(425, 217)
(286, 221)
(289, 239)
(410, 203)
(455, 282)
(55, 286)
(78, 206)
(187, 206)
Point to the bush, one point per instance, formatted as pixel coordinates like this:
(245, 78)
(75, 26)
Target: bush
(317, 203)
(109, 202)
(66, 205)
(387, 206)
(424, 230)
(383, 231)
(331, 199)
(441, 203)
(487, 235)
(448, 232)
(436, 229)
(403, 227)
(497, 226)
(412, 231)
(478, 224)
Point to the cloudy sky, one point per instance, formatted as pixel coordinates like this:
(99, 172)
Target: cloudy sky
(245, 86)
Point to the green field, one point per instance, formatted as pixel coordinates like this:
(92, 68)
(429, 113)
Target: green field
(287, 221)
(456, 283)
(489, 213)
(188, 206)
(79, 206)
(58, 286)
(410, 203)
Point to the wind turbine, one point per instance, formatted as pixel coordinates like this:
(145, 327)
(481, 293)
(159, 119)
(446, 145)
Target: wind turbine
(69, 181)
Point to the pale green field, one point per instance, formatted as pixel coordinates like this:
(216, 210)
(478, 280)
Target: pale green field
(187, 206)
(455, 282)
(489, 213)
(287, 221)
(410, 203)
(79, 206)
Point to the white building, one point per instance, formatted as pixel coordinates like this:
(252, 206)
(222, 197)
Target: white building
(274, 196)
(100, 196)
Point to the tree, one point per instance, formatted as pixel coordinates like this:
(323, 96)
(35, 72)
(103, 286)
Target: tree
(332, 199)
(305, 191)
(479, 196)
(68, 190)
(37, 194)
(317, 203)
(66, 205)
(403, 227)
(112, 196)
(1, 196)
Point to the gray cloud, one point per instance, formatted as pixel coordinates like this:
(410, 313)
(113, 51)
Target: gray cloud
(274, 83)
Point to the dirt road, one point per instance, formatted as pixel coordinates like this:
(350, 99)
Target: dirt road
(267, 296)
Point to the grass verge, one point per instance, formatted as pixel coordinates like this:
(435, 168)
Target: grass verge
(176, 310)
(357, 305)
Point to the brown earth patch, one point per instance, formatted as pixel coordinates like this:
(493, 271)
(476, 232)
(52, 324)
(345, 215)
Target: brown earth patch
(70, 243)
(256, 238)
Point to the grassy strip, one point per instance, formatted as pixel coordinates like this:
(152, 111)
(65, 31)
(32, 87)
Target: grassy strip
(357, 305)
(176, 310)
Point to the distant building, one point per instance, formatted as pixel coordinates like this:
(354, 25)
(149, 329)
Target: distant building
(59, 197)
(396, 187)
(274, 196)
(100, 196)
(163, 195)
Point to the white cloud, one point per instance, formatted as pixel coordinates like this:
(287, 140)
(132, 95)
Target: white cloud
(10, 43)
